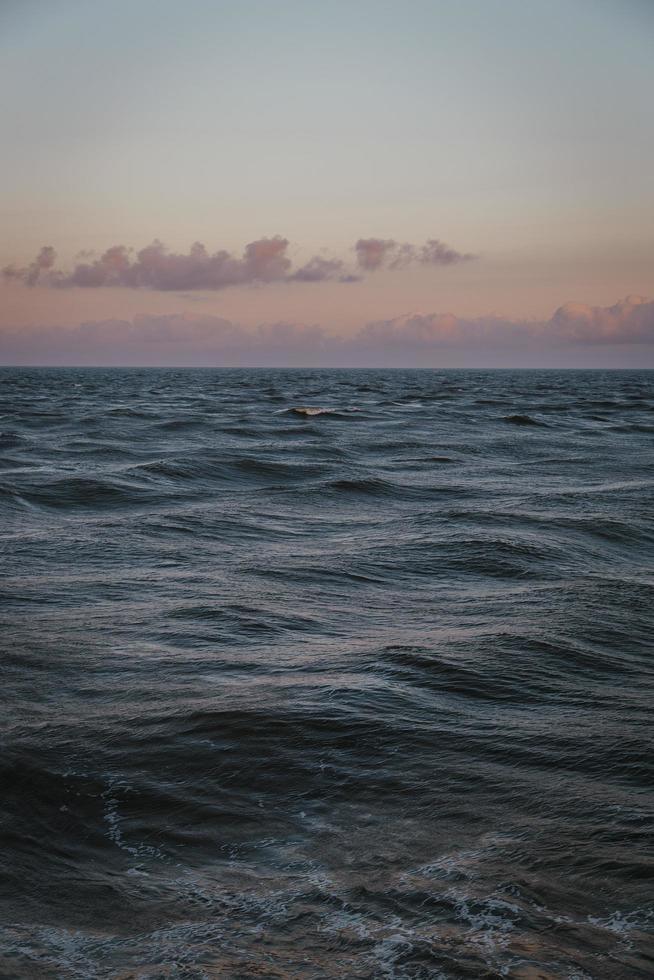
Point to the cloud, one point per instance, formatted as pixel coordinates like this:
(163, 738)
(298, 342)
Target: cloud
(176, 339)
(416, 339)
(263, 261)
(372, 252)
(30, 275)
(378, 253)
(435, 252)
(320, 270)
(630, 321)
(154, 267)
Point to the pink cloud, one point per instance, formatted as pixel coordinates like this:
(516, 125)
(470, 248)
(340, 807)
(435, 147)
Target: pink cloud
(263, 261)
(318, 269)
(631, 320)
(30, 275)
(379, 253)
(414, 339)
(154, 267)
(372, 252)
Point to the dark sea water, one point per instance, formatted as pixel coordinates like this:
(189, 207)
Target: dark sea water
(365, 693)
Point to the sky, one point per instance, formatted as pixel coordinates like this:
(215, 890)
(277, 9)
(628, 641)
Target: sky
(296, 182)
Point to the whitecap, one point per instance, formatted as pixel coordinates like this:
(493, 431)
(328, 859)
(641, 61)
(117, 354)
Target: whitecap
(311, 410)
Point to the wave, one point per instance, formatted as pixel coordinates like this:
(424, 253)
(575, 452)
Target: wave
(311, 411)
(10, 440)
(522, 420)
(126, 411)
(84, 492)
(180, 424)
(634, 427)
(374, 486)
(242, 622)
(244, 469)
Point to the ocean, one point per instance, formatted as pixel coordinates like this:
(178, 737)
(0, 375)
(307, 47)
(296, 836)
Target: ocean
(327, 673)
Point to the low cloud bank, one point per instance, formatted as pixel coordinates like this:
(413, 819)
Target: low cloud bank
(630, 321)
(263, 261)
(624, 332)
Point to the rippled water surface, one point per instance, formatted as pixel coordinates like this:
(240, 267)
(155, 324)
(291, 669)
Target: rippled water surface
(364, 692)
